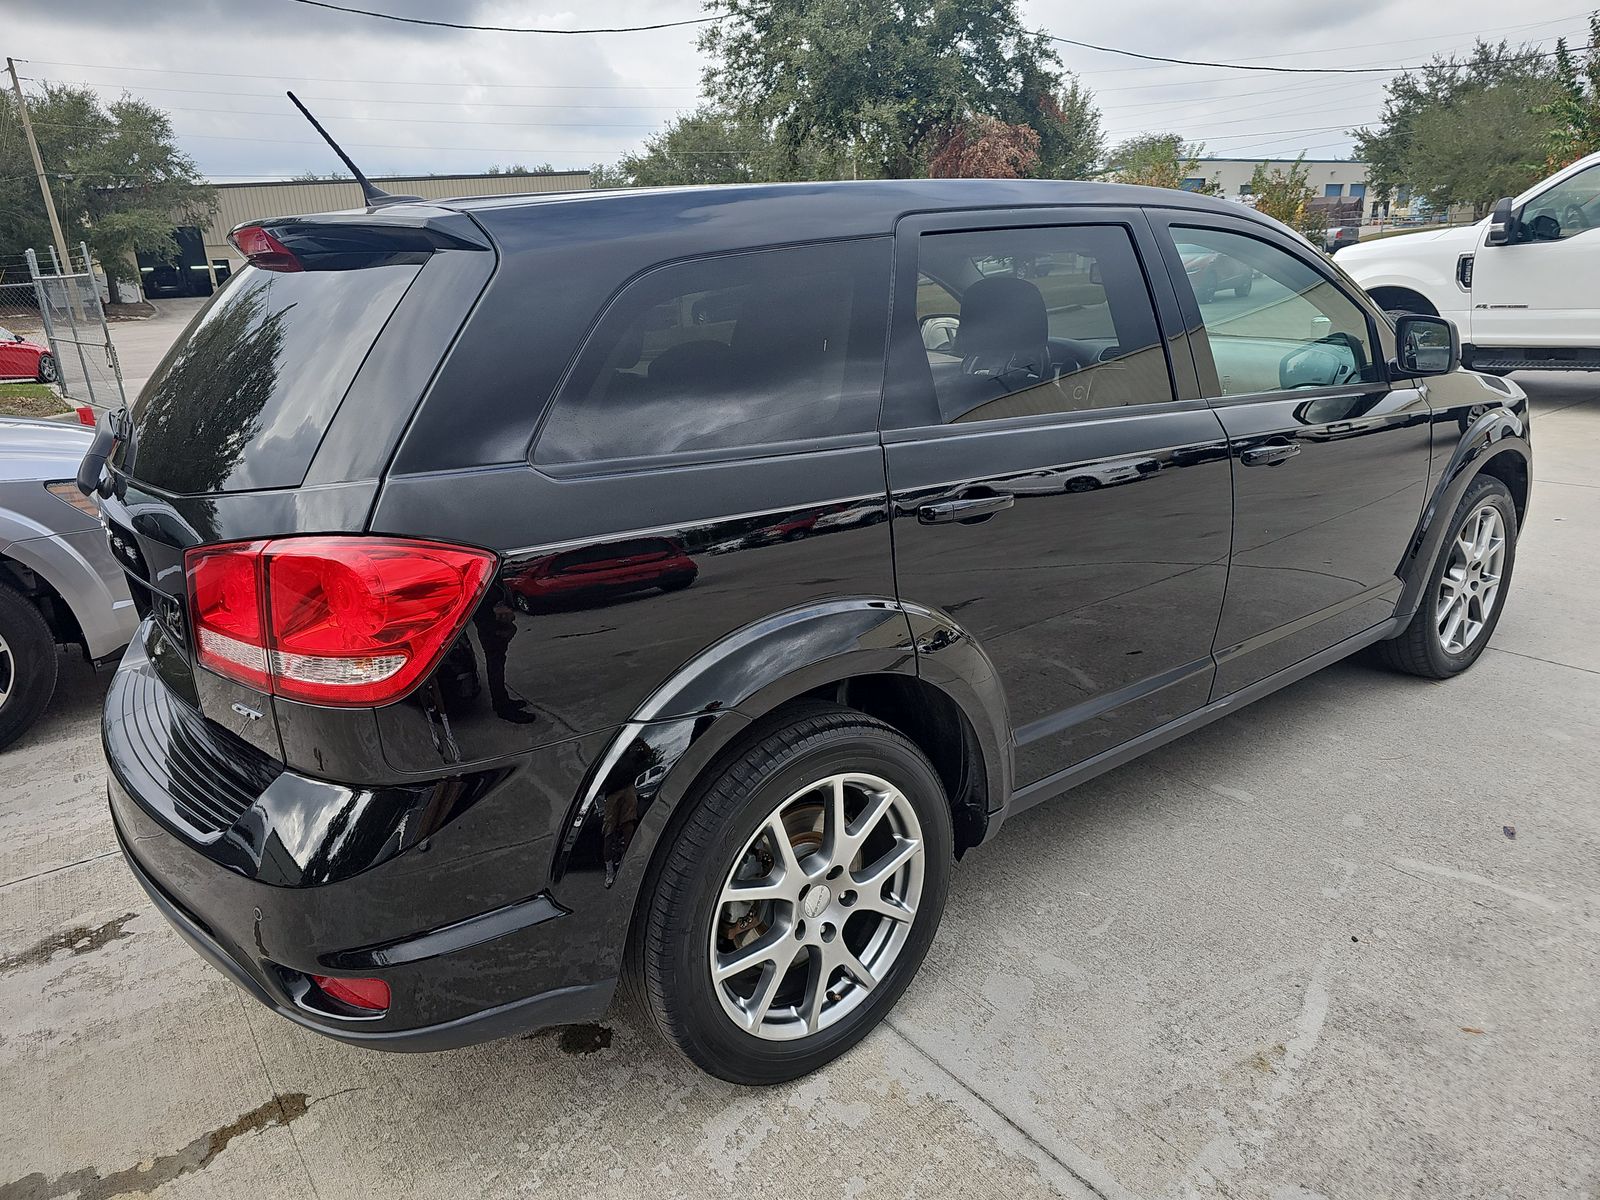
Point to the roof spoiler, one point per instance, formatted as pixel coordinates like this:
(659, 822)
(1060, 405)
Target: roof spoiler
(375, 196)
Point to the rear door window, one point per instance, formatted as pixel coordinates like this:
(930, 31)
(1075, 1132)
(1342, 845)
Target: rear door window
(1037, 321)
(243, 399)
(736, 351)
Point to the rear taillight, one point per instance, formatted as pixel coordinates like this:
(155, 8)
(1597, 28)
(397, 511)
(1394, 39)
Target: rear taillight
(263, 250)
(331, 620)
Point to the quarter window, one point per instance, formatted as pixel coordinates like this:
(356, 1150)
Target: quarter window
(1036, 321)
(1272, 322)
(740, 350)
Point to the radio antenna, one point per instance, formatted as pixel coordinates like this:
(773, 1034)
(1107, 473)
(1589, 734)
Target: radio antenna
(375, 196)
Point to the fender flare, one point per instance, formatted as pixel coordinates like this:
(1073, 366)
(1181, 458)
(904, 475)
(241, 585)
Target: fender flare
(630, 795)
(96, 593)
(1489, 435)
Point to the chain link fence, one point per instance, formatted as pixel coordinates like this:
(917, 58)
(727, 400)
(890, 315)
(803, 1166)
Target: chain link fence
(71, 313)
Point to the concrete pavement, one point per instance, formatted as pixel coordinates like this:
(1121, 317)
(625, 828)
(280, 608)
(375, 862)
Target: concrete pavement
(1344, 943)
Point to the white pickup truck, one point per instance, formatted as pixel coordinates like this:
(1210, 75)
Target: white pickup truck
(1522, 285)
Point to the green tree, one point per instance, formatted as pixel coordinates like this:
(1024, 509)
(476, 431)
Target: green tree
(713, 145)
(891, 81)
(119, 180)
(1159, 160)
(1575, 110)
(1287, 196)
(1463, 131)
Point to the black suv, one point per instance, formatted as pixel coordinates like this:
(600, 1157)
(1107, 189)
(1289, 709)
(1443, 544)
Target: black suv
(671, 585)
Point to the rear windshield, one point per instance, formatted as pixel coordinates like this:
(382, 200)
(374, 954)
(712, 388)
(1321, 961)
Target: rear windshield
(243, 400)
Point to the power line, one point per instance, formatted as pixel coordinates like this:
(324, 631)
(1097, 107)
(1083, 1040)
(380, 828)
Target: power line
(620, 87)
(383, 16)
(1233, 66)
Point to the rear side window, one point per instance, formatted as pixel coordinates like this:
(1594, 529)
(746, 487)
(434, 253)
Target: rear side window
(242, 401)
(1037, 321)
(741, 350)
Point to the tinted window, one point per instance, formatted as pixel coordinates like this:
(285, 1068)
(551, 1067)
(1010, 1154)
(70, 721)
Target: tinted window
(1029, 322)
(1271, 320)
(740, 350)
(243, 400)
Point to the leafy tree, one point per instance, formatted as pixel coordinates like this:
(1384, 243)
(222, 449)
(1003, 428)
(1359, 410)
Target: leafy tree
(986, 148)
(119, 181)
(714, 145)
(519, 169)
(1287, 196)
(1159, 160)
(1576, 106)
(1462, 131)
(891, 80)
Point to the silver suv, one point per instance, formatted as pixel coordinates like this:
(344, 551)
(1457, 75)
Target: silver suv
(58, 581)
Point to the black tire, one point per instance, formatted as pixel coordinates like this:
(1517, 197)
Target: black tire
(1206, 292)
(1420, 649)
(48, 371)
(676, 583)
(27, 665)
(668, 967)
(1243, 289)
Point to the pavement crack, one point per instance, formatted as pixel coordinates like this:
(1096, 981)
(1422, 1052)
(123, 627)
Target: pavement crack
(87, 1183)
(1551, 661)
(1073, 1173)
(62, 867)
(244, 1015)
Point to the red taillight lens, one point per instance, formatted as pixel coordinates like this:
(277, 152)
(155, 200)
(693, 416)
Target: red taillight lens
(225, 590)
(263, 250)
(369, 994)
(337, 620)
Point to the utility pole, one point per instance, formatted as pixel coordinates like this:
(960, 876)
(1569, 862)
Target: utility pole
(38, 165)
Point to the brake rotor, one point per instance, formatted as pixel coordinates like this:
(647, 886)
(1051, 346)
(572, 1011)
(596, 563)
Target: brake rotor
(743, 923)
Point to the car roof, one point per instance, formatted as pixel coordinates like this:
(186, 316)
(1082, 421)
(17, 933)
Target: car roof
(845, 208)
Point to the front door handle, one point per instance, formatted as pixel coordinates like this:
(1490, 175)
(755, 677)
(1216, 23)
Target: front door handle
(973, 508)
(1269, 455)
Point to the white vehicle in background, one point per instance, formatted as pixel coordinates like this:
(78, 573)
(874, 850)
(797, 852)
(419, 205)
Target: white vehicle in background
(1522, 285)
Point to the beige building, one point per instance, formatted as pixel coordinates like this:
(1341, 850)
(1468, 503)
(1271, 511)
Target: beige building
(1331, 178)
(207, 252)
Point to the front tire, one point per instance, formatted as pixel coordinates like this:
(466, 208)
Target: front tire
(1243, 289)
(27, 665)
(1466, 590)
(797, 900)
(48, 371)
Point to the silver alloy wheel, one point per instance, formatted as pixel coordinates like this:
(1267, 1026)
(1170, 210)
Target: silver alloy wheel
(817, 907)
(8, 671)
(1471, 581)
(47, 369)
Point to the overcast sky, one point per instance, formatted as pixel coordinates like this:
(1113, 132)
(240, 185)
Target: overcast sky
(408, 99)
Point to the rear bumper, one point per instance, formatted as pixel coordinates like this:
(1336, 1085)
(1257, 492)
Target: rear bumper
(460, 923)
(559, 1006)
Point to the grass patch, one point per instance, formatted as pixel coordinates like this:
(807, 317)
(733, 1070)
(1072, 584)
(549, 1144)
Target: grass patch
(30, 400)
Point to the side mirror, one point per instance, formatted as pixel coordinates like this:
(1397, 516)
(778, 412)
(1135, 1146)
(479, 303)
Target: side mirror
(939, 333)
(1425, 345)
(1503, 224)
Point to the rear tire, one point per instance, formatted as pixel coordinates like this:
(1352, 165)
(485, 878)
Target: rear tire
(27, 665)
(1439, 643)
(1242, 290)
(830, 948)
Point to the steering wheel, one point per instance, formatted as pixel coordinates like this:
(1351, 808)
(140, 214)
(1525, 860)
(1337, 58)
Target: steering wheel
(1572, 217)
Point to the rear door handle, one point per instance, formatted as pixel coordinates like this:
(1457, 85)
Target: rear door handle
(974, 508)
(1267, 456)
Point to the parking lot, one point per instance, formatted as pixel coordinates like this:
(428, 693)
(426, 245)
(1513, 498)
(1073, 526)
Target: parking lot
(1344, 943)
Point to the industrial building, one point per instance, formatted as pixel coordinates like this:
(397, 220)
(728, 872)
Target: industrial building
(206, 257)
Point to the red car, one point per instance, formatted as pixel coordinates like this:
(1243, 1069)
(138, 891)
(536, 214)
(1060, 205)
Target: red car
(22, 359)
(608, 569)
